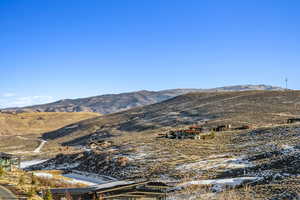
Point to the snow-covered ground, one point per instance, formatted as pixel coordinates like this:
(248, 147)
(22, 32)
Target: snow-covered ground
(72, 126)
(219, 184)
(43, 174)
(28, 163)
(92, 179)
(75, 178)
(217, 161)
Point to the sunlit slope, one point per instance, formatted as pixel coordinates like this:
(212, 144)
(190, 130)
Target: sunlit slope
(39, 122)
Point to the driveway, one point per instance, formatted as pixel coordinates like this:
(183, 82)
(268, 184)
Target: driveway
(5, 194)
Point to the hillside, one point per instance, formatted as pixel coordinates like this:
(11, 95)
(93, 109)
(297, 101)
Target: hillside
(254, 108)
(264, 160)
(111, 103)
(38, 122)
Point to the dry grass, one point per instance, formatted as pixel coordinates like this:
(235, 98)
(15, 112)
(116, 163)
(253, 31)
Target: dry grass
(21, 183)
(254, 108)
(39, 122)
(164, 155)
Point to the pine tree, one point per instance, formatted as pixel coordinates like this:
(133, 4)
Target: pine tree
(48, 195)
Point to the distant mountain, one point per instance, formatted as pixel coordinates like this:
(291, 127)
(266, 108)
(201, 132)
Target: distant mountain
(111, 103)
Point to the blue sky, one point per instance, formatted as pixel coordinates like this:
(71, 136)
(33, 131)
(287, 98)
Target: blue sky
(54, 49)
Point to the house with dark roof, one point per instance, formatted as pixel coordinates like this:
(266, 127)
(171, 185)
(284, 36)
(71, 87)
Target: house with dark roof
(9, 162)
(293, 120)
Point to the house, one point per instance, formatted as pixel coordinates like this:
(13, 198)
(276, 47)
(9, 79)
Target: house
(226, 127)
(100, 144)
(196, 128)
(190, 133)
(9, 162)
(244, 127)
(119, 190)
(293, 120)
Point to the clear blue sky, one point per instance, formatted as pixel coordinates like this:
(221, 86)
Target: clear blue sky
(53, 49)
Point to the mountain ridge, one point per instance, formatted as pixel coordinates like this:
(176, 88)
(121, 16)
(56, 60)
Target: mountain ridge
(254, 108)
(111, 103)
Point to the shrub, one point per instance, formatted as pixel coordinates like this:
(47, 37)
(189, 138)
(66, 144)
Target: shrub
(48, 195)
(34, 180)
(2, 171)
(211, 135)
(68, 196)
(21, 180)
(31, 192)
(122, 161)
(55, 183)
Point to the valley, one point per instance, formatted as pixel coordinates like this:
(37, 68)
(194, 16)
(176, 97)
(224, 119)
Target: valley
(20, 132)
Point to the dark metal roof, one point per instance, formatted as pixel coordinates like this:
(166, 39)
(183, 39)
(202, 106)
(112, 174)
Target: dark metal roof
(157, 184)
(111, 187)
(73, 190)
(6, 155)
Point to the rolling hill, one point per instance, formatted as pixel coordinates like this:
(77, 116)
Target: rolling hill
(38, 122)
(254, 108)
(266, 156)
(111, 103)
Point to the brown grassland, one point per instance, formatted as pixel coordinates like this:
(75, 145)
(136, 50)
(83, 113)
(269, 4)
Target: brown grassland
(39, 122)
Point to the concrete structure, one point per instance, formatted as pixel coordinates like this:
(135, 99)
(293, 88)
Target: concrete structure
(119, 190)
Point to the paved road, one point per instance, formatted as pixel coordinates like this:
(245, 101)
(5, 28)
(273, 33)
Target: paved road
(5, 194)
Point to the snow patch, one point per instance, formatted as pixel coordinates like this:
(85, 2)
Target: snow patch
(28, 163)
(87, 179)
(288, 148)
(71, 127)
(219, 162)
(219, 184)
(43, 174)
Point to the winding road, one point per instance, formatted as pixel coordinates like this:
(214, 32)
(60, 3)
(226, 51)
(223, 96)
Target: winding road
(6, 194)
(38, 149)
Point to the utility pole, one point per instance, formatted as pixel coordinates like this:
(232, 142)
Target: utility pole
(286, 83)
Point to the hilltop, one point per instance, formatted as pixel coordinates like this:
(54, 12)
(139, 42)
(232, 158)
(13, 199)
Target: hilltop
(38, 122)
(111, 103)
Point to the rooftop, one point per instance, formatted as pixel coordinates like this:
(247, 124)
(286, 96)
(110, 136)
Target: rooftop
(6, 155)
